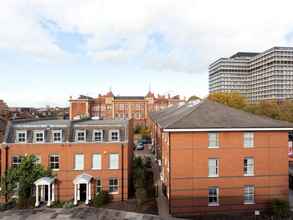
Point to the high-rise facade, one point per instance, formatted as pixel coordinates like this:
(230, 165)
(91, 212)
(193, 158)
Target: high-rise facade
(257, 76)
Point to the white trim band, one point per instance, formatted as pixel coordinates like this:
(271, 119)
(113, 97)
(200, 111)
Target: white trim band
(227, 129)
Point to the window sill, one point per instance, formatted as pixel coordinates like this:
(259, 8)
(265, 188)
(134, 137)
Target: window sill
(113, 168)
(96, 168)
(248, 174)
(78, 169)
(213, 204)
(214, 147)
(213, 176)
(248, 147)
(249, 203)
(113, 193)
(55, 169)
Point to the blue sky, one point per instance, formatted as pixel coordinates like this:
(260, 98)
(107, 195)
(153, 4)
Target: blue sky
(53, 49)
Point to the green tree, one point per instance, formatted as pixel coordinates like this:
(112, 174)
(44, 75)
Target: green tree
(21, 179)
(232, 99)
(193, 98)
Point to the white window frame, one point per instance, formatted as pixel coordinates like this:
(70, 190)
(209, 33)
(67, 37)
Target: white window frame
(217, 145)
(75, 160)
(94, 135)
(57, 132)
(17, 136)
(246, 170)
(110, 165)
(110, 135)
(249, 192)
(217, 196)
(54, 162)
(248, 139)
(100, 165)
(112, 185)
(99, 186)
(210, 168)
(35, 136)
(15, 164)
(76, 136)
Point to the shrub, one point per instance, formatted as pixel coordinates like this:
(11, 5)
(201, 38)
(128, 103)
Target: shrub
(9, 205)
(280, 208)
(141, 196)
(57, 204)
(68, 205)
(101, 199)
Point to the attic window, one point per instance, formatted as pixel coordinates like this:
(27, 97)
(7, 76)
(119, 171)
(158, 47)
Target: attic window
(57, 136)
(80, 136)
(39, 136)
(20, 136)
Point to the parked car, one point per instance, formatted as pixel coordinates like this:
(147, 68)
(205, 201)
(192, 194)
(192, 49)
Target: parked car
(146, 141)
(139, 146)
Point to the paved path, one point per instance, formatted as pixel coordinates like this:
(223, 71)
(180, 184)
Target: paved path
(75, 213)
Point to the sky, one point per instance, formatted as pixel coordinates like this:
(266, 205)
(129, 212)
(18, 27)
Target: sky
(53, 49)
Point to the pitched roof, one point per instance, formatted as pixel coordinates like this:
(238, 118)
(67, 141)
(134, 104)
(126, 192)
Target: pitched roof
(207, 114)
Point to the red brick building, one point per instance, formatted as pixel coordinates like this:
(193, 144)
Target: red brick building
(86, 156)
(216, 159)
(120, 107)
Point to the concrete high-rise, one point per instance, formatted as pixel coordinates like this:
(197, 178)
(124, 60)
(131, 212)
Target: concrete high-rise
(257, 76)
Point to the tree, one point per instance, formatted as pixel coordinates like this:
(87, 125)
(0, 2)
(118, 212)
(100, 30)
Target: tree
(232, 99)
(21, 179)
(193, 98)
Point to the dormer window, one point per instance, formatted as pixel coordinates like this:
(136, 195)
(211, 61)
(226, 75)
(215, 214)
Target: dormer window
(57, 136)
(80, 136)
(98, 135)
(39, 136)
(20, 137)
(114, 135)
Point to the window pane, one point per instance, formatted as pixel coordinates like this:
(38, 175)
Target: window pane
(213, 167)
(97, 161)
(213, 197)
(248, 139)
(213, 139)
(249, 166)
(114, 161)
(248, 194)
(113, 185)
(79, 161)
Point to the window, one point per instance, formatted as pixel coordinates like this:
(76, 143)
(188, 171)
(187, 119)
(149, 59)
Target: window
(57, 136)
(213, 167)
(213, 196)
(54, 162)
(39, 136)
(114, 135)
(248, 166)
(80, 136)
(248, 139)
(98, 136)
(97, 162)
(113, 185)
(15, 161)
(79, 162)
(20, 136)
(98, 186)
(113, 161)
(249, 194)
(213, 140)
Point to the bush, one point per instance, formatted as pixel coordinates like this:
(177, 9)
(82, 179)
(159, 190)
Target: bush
(101, 199)
(137, 129)
(68, 205)
(23, 203)
(57, 204)
(280, 208)
(9, 205)
(141, 196)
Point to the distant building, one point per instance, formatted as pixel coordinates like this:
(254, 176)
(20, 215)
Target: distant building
(257, 76)
(120, 107)
(216, 159)
(4, 116)
(86, 157)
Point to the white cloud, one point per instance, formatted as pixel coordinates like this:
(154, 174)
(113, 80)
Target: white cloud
(196, 31)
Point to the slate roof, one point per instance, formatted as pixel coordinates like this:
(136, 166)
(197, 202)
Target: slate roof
(207, 114)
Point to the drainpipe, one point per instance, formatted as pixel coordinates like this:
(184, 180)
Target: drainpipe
(169, 173)
(122, 171)
(6, 168)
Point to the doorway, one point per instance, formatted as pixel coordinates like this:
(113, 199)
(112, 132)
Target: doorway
(82, 191)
